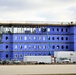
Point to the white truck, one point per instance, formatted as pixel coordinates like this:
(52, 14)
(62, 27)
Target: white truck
(37, 59)
(73, 59)
(63, 56)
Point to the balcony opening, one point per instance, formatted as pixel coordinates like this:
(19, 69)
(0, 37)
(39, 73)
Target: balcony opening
(43, 29)
(66, 38)
(6, 46)
(66, 47)
(58, 47)
(57, 29)
(6, 55)
(62, 47)
(6, 37)
(66, 30)
(62, 38)
(20, 55)
(48, 38)
(53, 47)
(52, 38)
(20, 47)
(57, 38)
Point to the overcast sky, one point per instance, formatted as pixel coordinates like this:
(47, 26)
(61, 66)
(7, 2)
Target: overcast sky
(38, 10)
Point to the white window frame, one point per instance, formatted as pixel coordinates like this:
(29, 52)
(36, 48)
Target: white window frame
(58, 47)
(34, 38)
(25, 38)
(48, 29)
(44, 38)
(20, 46)
(39, 47)
(16, 37)
(39, 38)
(30, 47)
(44, 47)
(34, 47)
(20, 37)
(30, 38)
(39, 29)
(25, 46)
(15, 46)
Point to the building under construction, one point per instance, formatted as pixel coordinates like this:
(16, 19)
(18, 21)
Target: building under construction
(31, 39)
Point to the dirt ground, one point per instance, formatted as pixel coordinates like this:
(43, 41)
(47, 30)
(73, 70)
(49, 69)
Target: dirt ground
(37, 69)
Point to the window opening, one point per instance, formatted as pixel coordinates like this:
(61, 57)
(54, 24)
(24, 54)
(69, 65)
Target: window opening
(66, 47)
(52, 38)
(57, 38)
(6, 46)
(6, 55)
(6, 37)
(57, 47)
(62, 47)
(53, 47)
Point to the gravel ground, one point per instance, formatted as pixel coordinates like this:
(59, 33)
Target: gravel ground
(36, 69)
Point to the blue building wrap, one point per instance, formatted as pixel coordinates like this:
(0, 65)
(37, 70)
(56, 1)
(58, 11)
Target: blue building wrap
(43, 40)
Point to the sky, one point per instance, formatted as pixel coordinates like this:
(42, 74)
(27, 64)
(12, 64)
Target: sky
(38, 10)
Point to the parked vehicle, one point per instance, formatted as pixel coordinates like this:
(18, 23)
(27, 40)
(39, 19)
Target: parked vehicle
(73, 59)
(6, 62)
(0, 61)
(37, 59)
(15, 61)
(63, 60)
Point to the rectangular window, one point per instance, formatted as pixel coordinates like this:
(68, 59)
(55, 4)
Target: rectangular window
(62, 30)
(39, 47)
(6, 46)
(48, 38)
(58, 47)
(57, 29)
(39, 38)
(57, 38)
(34, 38)
(66, 30)
(62, 47)
(35, 47)
(6, 37)
(39, 29)
(43, 29)
(44, 47)
(25, 38)
(15, 55)
(62, 38)
(30, 38)
(43, 38)
(16, 37)
(52, 38)
(20, 37)
(66, 47)
(66, 38)
(16, 46)
(25, 46)
(20, 47)
(53, 29)
(53, 47)
(48, 29)
(20, 55)
(30, 47)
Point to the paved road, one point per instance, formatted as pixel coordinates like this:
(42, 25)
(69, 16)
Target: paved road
(36, 69)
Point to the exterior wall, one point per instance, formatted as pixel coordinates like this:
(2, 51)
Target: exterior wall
(75, 38)
(56, 38)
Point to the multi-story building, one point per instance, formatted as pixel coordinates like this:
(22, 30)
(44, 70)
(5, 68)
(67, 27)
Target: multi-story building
(18, 40)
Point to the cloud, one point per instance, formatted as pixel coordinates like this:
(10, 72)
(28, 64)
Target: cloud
(37, 10)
